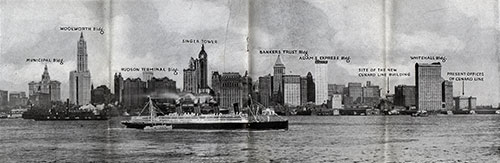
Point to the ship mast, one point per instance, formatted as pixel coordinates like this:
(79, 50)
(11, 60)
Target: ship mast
(151, 108)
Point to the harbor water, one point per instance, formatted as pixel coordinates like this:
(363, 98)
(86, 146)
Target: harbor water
(458, 138)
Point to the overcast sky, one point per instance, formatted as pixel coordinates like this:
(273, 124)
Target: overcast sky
(465, 32)
(31, 29)
(138, 34)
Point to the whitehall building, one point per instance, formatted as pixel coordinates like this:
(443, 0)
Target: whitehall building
(433, 93)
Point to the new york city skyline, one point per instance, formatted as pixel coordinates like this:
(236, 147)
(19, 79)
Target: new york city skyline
(249, 80)
(165, 47)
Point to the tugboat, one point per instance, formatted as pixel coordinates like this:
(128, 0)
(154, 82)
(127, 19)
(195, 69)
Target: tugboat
(268, 120)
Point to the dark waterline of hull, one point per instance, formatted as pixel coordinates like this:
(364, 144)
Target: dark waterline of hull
(277, 125)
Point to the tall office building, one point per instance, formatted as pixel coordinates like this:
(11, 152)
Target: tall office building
(335, 89)
(291, 90)
(371, 94)
(147, 75)
(133, 94)
(428, 83)
(311, 87)
(233, 89)
(133, 91)
(355, 93)
(18, 99)
(51, 87)
(321, 83)
(160, 87)
(79, 80)
(303, 90)
(447, 95)
(279, 71)
(265, 89)
(4, 98)
(118, 90)
(216, 86)
(196, 75)
(405, 95)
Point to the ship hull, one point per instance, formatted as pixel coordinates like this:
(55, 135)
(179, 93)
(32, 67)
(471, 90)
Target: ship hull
(274, 125)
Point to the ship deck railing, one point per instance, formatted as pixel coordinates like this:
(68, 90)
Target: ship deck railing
(208, 118)
(191, 118)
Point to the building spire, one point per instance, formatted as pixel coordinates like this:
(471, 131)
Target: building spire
(81, 35)
(45, 75)
(279, 63)
(203, 54)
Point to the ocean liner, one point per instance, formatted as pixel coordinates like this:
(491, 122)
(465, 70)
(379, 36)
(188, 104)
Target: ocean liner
(253, 120)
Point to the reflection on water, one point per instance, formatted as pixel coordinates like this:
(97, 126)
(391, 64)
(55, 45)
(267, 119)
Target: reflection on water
(309, 139)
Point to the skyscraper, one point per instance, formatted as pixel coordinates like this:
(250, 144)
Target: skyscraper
(232, 89)
(118, 79)
(18, 98)
(311, 87)
(216, 86)
(147, 75)
(279, 71)
(79, 80)
(428, 84)
(404, 95)
(355, 92)
(195, 76)
(291, 90)
(447, 95)
(133, 91)
(371, 94)
(303, 90)
(265, 89)
(133, 94)
(4, 98)
(51, 87)
(202, 66)
(320, 81)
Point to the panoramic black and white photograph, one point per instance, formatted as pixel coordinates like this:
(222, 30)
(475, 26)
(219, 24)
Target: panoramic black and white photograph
(249, 81)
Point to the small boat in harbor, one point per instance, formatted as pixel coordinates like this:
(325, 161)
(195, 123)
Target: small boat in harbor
(158, 127)
(420, 113)
(267, 120)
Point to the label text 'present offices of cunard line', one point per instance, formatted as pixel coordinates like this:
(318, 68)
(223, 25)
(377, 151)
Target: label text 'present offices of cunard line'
(465, 76)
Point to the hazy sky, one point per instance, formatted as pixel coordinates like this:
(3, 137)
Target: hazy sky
(150, 34)
(31, 29)
(377, 33)
(374, 33)
(137, 34)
